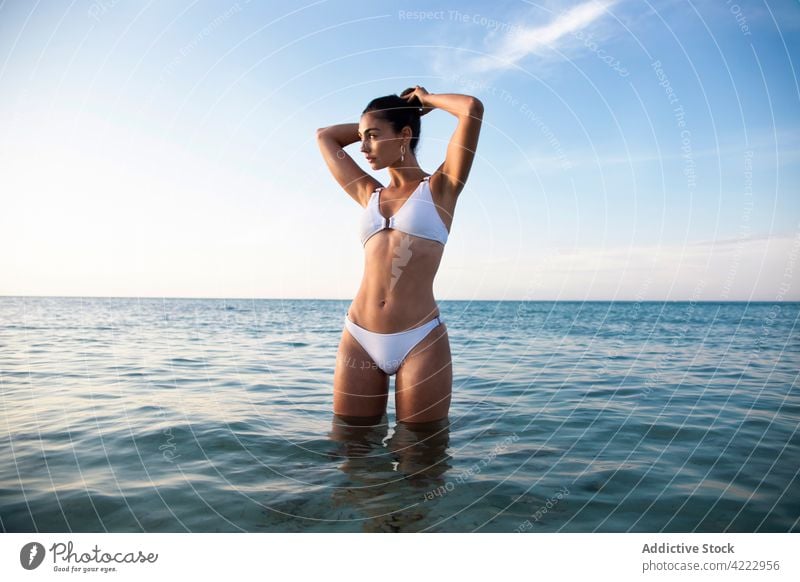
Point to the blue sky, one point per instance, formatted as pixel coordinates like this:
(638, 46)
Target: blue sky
(630, 150)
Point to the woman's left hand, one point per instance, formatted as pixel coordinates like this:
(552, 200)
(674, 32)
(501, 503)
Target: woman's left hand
(421, 94)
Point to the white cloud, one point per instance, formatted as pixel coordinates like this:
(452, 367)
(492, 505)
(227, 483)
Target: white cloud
(758, 269)
(524, 41)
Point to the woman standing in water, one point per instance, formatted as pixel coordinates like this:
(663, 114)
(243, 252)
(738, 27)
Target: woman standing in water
(393, 324)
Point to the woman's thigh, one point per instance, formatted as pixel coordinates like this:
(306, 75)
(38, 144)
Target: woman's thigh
(424, 382)
(360, 388)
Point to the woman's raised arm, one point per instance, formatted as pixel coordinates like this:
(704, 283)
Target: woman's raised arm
(355, 181)
(464, 141)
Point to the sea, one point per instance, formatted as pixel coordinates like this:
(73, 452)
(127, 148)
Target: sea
(215, 415)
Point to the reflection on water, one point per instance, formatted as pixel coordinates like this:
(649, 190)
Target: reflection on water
(389, 470)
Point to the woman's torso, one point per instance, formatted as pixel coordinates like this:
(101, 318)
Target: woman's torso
(396, 291)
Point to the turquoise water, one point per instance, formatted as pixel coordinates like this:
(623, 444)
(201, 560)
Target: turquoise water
(129, 415)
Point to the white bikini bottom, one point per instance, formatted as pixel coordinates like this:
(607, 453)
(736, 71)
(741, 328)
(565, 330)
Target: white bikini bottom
(388, 350)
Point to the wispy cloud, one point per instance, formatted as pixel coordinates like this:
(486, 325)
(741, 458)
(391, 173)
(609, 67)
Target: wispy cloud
(772, 147)
(528, 40)
(759, 268)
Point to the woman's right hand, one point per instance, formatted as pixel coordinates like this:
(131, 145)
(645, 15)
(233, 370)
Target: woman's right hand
(416, 97)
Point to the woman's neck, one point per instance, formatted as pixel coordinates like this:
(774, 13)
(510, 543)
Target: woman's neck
(409, 173)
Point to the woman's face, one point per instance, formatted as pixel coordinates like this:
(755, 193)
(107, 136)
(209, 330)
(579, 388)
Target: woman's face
(379, 143)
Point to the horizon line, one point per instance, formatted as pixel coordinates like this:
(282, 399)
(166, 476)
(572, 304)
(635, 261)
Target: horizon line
(689, 300)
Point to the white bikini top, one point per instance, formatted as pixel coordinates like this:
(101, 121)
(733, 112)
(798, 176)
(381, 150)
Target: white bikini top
(417, 216)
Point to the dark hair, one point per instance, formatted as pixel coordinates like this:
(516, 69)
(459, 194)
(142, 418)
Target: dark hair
(399, 113)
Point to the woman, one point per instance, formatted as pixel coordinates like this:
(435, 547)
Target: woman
(393, 324)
